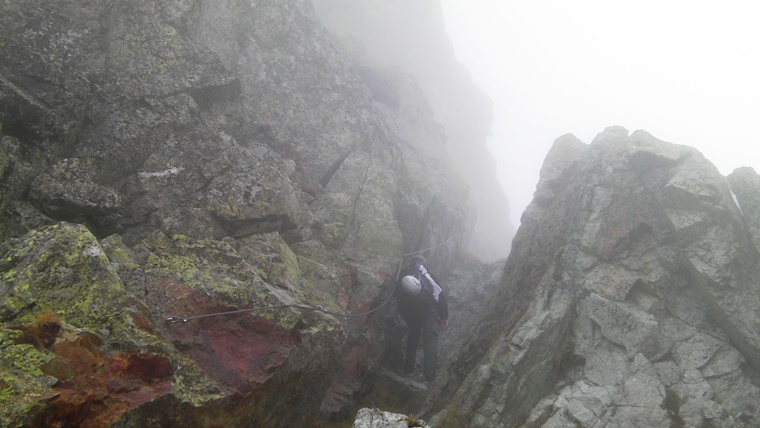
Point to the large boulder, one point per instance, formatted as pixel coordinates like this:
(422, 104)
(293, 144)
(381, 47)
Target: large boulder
(375, 418)
(93, 331)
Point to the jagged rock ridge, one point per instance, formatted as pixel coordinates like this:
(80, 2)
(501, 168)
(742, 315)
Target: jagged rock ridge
(630, 297)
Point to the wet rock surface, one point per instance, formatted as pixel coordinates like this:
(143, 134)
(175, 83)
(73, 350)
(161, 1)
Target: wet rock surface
(165, 162)
(411, 36)
(374, 418)
(630, 297)
(205, 205)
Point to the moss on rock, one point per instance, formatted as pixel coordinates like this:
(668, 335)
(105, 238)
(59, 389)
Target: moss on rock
(22, 382)
(212, 267)
(60, 268)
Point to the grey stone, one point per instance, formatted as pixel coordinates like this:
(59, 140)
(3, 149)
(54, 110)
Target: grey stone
(374, 418)
(645, 241)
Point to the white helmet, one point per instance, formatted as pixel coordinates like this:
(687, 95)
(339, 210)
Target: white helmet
(411, 285)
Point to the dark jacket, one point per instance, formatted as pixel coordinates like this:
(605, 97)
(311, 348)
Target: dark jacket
(414, 309)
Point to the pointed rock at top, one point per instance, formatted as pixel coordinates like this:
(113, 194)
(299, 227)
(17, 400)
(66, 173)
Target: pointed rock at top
(565, 150)
(611, 133)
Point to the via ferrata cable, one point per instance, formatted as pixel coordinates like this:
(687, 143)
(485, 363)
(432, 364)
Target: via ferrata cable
(176, 319)
(263, 308)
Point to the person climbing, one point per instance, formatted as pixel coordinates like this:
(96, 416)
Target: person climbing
(423, 307)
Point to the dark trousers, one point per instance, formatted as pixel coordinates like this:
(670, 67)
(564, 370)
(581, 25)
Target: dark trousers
(429, 329)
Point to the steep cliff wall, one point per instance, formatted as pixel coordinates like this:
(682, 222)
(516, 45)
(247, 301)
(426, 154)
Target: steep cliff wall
(162, 161)
(630, 297)
(411, 35)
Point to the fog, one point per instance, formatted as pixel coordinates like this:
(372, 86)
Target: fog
(686, 72)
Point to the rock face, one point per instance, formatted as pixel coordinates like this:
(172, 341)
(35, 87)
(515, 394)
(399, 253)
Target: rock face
(411, 35)
(374, 418)
(205, 204)
(745, 185)
(162, 161)
(630, 297)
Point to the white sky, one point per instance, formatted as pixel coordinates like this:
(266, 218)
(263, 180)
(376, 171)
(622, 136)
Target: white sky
(687, 72)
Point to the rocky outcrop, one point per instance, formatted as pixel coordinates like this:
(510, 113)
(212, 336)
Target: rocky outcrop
(161, 162)
(745, 185)
(630, 297)
(412, 36)
(374, 418)
(100, 334)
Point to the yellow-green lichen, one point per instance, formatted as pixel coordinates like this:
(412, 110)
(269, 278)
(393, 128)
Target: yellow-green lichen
(118, 253)
(62, 268)
(18, 398)
(21, 358)
(232, 209)
(209, 266)
(257, 272)
(261, 206)
(22, 382)
(123, 330)
(319, 284)
(192, 385)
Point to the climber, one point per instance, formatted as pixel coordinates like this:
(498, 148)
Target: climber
(423, 307)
